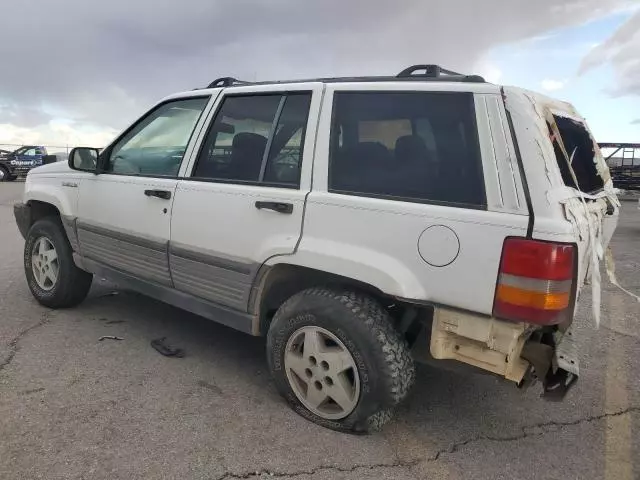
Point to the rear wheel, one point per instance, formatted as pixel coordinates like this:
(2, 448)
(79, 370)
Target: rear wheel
(52, 276)
(4, 174)
(337, 360)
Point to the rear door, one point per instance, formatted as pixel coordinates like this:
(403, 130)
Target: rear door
(402, 198)
(242, 201)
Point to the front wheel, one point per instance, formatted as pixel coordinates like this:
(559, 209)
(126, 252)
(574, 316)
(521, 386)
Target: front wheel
(52, 276)
(337, 359)
(5, 176)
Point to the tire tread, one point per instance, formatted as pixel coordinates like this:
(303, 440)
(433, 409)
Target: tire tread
(391, 349)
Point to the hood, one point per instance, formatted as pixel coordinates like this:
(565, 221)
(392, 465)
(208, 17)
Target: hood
(56, 167)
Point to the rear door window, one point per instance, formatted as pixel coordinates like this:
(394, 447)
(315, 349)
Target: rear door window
(407, 146)
(580, 150)
(256, 139)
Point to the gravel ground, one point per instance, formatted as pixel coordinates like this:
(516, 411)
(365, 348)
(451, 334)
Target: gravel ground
(72, 407)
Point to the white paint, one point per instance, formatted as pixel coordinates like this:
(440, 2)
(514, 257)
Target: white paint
(438, 245)
(222, 218)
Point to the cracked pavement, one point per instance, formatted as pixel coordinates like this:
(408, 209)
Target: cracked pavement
(72, 407)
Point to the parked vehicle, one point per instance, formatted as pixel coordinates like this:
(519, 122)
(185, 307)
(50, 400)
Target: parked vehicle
(360, 224)
(20, 161)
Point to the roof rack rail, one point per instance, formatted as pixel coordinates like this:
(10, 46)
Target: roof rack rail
(226, 82)
(436, 71)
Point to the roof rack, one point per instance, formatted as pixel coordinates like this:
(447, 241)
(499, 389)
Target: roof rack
(436, 71)
(430, 73)
(226, 82)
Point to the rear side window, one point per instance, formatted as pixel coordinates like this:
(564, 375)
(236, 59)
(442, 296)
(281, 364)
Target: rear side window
(581, 151)
(407, 146)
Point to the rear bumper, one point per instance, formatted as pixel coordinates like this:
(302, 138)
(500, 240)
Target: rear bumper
(512, 350)
(22, 213)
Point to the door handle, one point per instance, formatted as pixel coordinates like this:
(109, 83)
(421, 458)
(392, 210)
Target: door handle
(280, 207)
(163, 194)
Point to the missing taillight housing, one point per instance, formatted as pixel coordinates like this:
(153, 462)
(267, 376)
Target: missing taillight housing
(535, 282)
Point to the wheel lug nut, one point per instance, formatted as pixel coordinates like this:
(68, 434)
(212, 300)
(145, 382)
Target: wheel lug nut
(318, 385)
(313, 360)
(308, 372)
(324, 365)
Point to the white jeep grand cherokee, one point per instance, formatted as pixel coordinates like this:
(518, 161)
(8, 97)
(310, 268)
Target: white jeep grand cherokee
(361, 224)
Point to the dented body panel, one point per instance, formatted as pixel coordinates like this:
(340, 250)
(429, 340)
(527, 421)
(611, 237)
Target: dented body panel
(558, 213)
(484, 342)
(563, 213)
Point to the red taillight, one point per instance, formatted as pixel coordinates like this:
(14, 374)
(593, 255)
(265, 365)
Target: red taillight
(535, 282)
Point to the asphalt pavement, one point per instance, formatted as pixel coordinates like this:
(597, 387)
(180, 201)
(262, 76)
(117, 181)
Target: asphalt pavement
(74, 407)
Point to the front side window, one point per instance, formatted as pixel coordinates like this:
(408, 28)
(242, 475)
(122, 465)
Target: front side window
(31, 152)
(156, 145)
(407, 146)
(256, 139)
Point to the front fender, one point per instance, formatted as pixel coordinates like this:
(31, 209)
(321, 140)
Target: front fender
(365, 265)
(60, 193)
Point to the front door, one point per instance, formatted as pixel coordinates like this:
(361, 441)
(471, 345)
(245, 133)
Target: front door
(243, 202)
(124, 212)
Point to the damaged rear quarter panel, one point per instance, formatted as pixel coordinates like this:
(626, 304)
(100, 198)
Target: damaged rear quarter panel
(562, 214)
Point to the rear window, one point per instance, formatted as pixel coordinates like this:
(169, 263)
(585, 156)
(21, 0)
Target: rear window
(407, 146)
(581, 151)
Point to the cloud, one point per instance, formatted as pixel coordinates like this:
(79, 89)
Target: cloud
(552, 85)
(490, 72)
(54, 134)
(106, 63)
(636, 121)
(621, 51)
(23, 115)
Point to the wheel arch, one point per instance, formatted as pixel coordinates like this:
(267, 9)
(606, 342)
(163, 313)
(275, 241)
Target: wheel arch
(278, 282)
(41, 209)
(49, 199)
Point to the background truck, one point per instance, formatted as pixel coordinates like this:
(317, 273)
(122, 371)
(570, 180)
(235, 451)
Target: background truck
(18, 163)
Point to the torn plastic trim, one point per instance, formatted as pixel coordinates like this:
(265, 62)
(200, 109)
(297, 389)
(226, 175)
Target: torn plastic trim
(513, 350)
(554, 362)
(484, 342)
(594, 221)
(602, 168)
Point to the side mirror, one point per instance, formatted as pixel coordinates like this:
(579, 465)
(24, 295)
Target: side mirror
(83, 159)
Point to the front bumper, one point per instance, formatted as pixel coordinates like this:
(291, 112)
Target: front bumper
(22, 212)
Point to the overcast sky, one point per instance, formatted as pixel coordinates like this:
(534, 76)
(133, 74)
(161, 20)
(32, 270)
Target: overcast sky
(76, 71)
